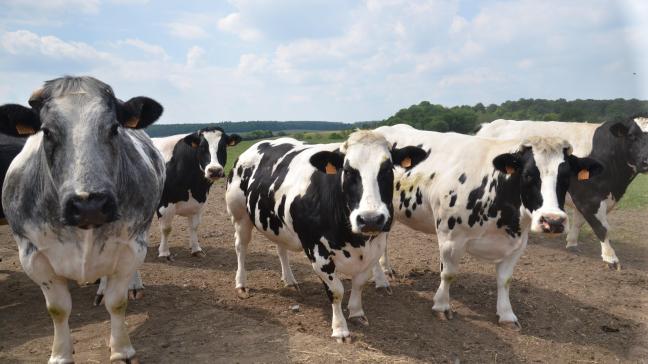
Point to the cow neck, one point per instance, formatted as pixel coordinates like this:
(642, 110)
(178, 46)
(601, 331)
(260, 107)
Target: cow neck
(617, 174)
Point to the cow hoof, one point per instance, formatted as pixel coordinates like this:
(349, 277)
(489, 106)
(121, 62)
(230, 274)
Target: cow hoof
(98, 299)
(168, 258)
(573, 249)
(614, 266)
(133, 360)
(199, 254)
(511, 325)
(135, 294)
(242, 293)
(386, 290)
(359, 320)
(391, 273)
(295, 287)
(343, 340)
(445, 315)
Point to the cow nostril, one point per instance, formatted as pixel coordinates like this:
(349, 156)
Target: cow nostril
(360, 220)
(90, 210)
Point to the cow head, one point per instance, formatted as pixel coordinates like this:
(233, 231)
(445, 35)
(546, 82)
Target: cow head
(543, 168)
(80, 127)
(364, 166)
(632, 137)
(211, 150)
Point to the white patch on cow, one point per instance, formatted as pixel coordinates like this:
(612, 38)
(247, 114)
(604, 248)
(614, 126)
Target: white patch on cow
(365, 151)
(166, 145)
(31, 147)
(643, 123)
(137, 144)
(213, 139)
(548, 154)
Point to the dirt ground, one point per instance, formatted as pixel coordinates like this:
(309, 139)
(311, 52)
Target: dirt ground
(571, 307)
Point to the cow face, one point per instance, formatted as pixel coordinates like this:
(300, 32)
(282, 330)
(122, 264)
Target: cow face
(80, 125)
(364, 166)
(543, 168)
(633, 138)
(211, 150)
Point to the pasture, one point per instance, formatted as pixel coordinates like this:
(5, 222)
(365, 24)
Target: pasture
(571, 307)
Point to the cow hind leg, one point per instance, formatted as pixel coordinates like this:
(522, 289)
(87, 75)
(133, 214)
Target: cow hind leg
(450, 256)
(242, 235)
(601, 227)
(116, 300)
(165, 230)
(193, 222)
(507, 318)
(356, 313)
(286, 271)
(577, 222)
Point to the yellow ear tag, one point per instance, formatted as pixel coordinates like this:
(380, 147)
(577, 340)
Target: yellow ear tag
(510, 170)
(330, 169)
(132, 122)
(406, 162)
(583, 175)
(24, 130)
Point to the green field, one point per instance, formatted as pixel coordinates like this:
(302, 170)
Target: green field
(636, 197)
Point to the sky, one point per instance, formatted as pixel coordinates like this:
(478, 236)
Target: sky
(334, 60)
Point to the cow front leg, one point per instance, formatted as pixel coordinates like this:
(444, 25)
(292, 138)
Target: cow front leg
(450, 257)
(600, 227)
(385, 264)
(286, 271)
(356, 313)
(242, 235)
(194, 221)
(577, 222)
(116, 301)
(59, 306)
(165, 230)
(335, 292)
(507, 318)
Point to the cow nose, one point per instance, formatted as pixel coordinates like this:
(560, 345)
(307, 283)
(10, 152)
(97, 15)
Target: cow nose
(214, 172)
(88, 211)
(371, 222)
(552, 224)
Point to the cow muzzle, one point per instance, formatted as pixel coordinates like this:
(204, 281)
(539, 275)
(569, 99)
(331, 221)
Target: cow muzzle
(89, 210)
(214, 173)
(551, 223)
(371, 223)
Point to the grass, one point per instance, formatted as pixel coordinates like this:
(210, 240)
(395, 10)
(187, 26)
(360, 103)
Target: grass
(636, 197)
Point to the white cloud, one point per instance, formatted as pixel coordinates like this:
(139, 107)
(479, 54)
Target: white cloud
(152, 49)
(187, 30)
(252, 63)
(195, 56)
(232, 23)
(23, 42)
(86, 6)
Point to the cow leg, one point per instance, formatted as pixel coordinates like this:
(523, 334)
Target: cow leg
(450, 256)
(286, 271)
(59, 306)
(193, 222)
(356, 313)
(572, 237)
(116, 300)
(382, 283)
(136, 287)
(507, 318)
(601, 227)
(385, 264)
(325, 269)
(165, 229)
(242, 235)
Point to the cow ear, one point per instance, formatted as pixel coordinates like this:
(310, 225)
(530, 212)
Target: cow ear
(508, 163)
(193, 140)
(233, 139)
(408, 157)
(619, 129)
(585, 168)
(327, 162)
(17, 120)
(139, 112)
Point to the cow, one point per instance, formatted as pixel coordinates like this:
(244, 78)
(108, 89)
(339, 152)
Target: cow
(333, 201)
(193, 163)
(81, 195)
(9, 149)
(620, 145)
(483, 196)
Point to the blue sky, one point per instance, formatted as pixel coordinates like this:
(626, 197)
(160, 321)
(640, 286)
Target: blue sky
(338, 60)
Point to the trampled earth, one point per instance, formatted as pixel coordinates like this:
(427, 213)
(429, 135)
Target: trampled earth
(571, 307)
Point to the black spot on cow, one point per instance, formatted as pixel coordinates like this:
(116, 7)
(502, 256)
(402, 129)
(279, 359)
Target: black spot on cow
(31, 248)
(451, 223)
(346, 253)
(476, 194)
(453, 200)
(329, 294)
(398, 186)
(459, 220)
(408, 213)
(432, 175)
(361, 257)
(419, 196)
(329, 267)
(462, 178)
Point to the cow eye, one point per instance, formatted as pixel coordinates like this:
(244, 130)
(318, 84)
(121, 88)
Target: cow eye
(114, 130)
(46, 132)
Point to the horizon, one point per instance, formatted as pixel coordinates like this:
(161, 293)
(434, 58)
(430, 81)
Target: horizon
(326, 60)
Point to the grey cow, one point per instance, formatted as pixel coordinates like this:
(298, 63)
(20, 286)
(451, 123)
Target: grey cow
(81, 195)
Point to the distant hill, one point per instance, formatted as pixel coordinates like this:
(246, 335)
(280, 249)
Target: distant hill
(158, 130)
(466, 118)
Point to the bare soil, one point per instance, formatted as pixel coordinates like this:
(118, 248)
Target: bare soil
(572, 308)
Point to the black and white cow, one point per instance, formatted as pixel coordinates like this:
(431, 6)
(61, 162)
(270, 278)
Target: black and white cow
(193, 163)
(621, 146)
(483, 196)
(81, 195)
(9, 149)
(333, 201)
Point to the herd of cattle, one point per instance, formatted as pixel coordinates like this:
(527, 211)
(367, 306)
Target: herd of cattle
(81, 191)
